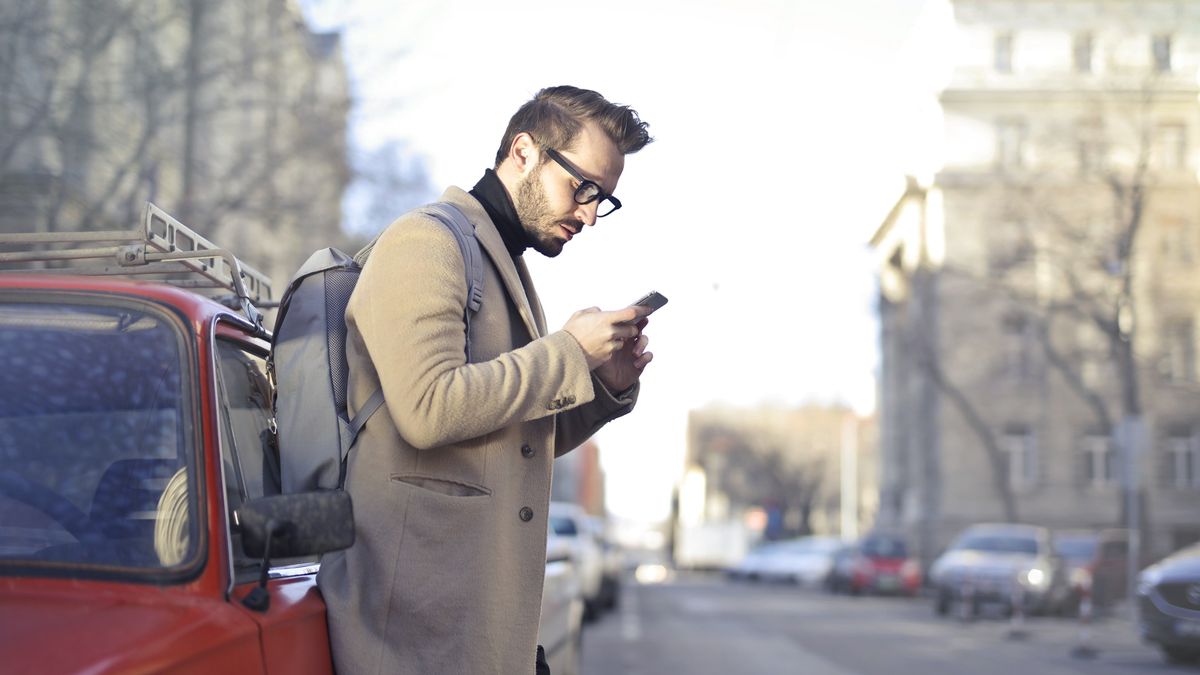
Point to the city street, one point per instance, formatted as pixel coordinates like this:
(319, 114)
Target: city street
(700, 624)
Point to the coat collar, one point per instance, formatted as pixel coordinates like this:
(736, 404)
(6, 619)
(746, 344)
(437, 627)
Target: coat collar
(491, 242)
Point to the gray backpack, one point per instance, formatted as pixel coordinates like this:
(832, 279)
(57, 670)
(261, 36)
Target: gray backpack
(308, 359)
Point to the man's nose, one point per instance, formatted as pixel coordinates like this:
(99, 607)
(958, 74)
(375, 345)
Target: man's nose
(586, 213)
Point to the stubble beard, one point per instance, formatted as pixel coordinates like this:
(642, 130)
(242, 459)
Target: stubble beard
(533, 209)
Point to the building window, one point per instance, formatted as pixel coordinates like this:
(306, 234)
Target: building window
(1020, 448)
(1183, 462)
(1160, 45)
(1179, 350)
(1010, 143)
(1099, 461)
(1170, 146)
(1019, 343)
(1003, 47)
(1083, 53)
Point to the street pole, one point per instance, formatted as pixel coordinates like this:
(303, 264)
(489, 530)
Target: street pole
(849, 492)
(1130, 434)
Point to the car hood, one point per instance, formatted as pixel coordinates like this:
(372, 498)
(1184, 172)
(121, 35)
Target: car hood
(983, 562)
(1181, 567)
(76, 632)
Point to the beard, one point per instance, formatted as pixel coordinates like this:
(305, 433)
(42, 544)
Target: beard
(538, 219)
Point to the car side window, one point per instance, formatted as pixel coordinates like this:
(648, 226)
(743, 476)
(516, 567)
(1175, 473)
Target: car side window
(248, 453)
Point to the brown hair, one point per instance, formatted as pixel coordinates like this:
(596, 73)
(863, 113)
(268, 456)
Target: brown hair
(555, 115)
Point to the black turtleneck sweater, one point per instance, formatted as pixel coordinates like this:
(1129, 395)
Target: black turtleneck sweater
(499, 206)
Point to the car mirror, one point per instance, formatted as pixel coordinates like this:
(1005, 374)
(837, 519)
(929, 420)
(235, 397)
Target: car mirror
(300, 524)
(287, 526)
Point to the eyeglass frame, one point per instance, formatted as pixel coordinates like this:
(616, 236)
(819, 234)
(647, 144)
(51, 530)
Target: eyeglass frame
(601, 196)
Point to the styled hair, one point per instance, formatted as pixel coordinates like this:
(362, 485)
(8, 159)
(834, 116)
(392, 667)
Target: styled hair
(555, 116)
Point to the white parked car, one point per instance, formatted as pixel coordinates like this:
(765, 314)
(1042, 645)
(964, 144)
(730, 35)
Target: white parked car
(805, 560)
(571, 523)
(560, 630)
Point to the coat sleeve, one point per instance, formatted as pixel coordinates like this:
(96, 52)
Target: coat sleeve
(579, 424)
(408, 308)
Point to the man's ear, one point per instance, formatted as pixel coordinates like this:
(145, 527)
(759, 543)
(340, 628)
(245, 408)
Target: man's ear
(524, 153)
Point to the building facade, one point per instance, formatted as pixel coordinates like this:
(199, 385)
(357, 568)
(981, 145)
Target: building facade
(1038, 296)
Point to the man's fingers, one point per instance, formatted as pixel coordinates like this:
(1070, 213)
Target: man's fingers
(642, 360)
(643, 341)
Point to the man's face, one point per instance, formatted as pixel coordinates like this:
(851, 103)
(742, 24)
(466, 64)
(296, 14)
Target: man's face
(545, 197)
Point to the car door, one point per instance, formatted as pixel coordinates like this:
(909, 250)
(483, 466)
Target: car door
(294, 633)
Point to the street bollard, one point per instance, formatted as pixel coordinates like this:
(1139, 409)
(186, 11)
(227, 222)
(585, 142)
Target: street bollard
(1016, 617)
(1083, 644)
(966, 601)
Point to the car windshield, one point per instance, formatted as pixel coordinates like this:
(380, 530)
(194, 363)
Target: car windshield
(1076, 548)
(884, 547)
(94, 439)
(998, 543)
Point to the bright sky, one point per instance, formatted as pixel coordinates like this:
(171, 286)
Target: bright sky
(783, 130)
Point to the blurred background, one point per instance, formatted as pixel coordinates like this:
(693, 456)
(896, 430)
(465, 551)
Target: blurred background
(931, 263)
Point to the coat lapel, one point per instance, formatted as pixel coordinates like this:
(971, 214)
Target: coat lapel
(491, 242)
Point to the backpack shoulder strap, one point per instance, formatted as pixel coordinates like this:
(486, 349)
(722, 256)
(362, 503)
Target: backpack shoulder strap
(464, 233)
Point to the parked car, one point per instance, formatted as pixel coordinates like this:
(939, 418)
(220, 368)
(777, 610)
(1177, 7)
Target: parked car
(1097, 565)
(751, 566)
(878, 563)
(807, 561)
(139, 483)
(613, 566)
(561, 629)
(1000, 564)
(136, 488)
(1169, 605)
(571, 523)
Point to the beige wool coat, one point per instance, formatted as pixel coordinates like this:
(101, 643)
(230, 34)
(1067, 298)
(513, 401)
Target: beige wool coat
(451, 478)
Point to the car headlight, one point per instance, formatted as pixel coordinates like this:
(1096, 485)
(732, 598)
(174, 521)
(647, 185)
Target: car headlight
(1035, 578)
(1148, 579)
(1081, 578)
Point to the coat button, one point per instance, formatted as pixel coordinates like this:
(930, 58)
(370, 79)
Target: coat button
(526, 451)
(526, 514)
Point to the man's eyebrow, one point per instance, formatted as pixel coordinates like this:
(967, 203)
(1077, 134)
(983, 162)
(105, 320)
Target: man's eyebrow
(583, 172)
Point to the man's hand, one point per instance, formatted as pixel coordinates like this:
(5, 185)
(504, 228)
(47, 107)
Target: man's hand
(605, 335)
(625, 367)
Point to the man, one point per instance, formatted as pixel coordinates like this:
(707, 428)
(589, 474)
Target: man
(451, 487)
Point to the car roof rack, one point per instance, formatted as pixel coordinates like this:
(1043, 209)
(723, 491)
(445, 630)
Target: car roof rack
(160, 245)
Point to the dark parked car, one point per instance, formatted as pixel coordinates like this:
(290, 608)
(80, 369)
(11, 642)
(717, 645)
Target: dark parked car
(878, 563)
(1097, 563)
(999, 563)
(1169, 605)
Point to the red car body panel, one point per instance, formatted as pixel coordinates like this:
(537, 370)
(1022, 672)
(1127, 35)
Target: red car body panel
(70, 626)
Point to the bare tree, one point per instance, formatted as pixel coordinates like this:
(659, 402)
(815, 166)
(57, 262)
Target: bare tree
(231, 115)
(755, 467)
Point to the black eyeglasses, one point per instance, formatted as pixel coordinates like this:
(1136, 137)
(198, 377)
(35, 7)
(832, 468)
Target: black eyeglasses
(588, 191)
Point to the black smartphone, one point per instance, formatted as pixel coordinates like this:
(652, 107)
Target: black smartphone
(653, 300)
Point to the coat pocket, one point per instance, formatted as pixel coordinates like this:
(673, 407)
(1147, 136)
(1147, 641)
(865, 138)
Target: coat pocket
(443, 486)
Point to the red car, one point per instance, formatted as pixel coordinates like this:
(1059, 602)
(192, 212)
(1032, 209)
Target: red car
(879, 563)
(137, 489)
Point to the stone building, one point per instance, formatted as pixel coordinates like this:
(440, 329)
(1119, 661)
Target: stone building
(231, 115)
(1038, 295)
